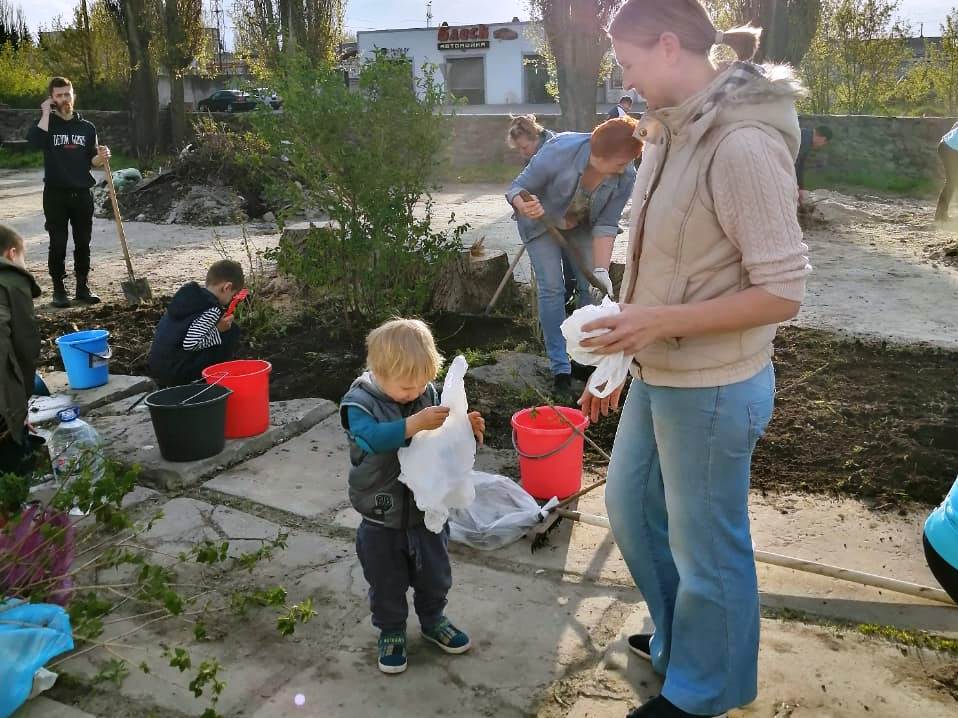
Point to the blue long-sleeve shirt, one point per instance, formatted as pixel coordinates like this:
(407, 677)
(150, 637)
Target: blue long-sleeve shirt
(375, 437)
(553, 175)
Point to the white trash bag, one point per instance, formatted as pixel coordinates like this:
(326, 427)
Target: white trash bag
(501, 514)
(437, 464)
(611, 370)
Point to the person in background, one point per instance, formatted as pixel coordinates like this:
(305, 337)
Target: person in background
(582, 181)
(527, 137)
(70, 150)
(812, 139)
(948, 152)
(622, 109)
(19, 351)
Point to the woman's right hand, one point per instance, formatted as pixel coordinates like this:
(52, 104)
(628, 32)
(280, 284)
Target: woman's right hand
(531, 209)
(594, 407)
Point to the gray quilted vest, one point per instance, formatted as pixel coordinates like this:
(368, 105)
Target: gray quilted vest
(375, 490)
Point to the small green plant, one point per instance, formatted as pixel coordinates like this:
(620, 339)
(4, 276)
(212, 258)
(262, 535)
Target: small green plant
(366, 159)
(47, 555)
(256, 314)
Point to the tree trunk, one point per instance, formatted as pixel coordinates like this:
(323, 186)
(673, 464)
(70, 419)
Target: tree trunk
(177, 112)
(470, 281)
(146, 103)
(574, 31)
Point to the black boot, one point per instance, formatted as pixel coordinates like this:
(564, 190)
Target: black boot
(83, 291)
(60, 298)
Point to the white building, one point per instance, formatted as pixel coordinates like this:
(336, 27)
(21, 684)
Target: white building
(495, 64)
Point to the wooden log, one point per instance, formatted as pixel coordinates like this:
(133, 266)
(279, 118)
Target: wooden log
(470, 280)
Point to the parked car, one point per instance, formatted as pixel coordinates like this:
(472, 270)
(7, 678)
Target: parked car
(268, 97)
(227, 101)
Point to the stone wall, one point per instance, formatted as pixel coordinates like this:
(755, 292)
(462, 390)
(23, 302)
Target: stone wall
(113, 128)
(897, 152)
(900, 152)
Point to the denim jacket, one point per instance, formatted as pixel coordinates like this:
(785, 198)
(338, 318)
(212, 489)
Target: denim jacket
(553, 176)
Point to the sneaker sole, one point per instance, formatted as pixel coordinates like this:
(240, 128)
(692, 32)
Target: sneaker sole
(448, 649)
(393, 670)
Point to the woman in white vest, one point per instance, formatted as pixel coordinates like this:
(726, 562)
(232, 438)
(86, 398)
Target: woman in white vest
(716, 261)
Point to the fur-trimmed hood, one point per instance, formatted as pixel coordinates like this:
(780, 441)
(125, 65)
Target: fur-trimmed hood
(742, 92)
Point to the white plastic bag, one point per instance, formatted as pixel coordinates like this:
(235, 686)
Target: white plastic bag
(437, 464)
(501, 514)
(610, 369)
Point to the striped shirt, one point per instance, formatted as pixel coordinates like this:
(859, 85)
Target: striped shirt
(203, 333)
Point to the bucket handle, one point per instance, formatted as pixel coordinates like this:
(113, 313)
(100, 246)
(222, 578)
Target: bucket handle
(206, 388)
(91, 355)
(564, 445)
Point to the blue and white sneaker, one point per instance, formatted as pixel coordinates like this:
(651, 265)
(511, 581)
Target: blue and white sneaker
(447, 637)
(392, 652)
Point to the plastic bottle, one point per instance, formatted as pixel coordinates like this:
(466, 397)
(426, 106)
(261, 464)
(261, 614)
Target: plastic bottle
(75, 448)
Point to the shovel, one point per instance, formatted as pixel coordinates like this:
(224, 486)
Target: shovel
(564, 243)
(136, 291)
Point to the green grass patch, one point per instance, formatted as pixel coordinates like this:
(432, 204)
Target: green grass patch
(33, 159)
(875, 181)
(898, 636)
(492, 172)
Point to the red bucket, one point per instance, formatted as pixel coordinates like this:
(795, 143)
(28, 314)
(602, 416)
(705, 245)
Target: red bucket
(247, 409)
(550, 452)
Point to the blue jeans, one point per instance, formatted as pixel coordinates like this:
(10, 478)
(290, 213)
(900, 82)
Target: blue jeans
(677, 498)
(548, 261)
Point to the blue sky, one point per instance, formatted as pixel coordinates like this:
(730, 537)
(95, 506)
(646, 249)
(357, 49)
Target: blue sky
(379, 14)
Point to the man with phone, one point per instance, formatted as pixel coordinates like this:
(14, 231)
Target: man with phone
(70, 151)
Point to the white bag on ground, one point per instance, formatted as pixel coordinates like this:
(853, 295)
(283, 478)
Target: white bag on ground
(501, 514)
(610, 369)
(437, 464)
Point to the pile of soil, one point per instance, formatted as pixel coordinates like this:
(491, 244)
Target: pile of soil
(873, 421)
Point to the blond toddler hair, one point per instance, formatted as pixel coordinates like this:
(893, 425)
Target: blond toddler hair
(403, 349)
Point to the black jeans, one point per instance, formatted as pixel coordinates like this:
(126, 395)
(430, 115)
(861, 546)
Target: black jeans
(949, 159)
(64, 208)
(395, 559)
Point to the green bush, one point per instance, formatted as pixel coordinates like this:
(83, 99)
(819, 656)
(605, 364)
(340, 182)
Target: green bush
(368, 159)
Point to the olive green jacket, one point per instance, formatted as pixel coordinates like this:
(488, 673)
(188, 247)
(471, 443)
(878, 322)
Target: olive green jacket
(19, 345)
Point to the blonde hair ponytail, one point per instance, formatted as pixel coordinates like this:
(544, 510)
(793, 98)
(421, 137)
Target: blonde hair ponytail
(642, 23)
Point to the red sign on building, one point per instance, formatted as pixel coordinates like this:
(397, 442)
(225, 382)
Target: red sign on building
(463, 38)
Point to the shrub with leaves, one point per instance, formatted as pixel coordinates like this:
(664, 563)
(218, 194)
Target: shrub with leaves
(367, 159)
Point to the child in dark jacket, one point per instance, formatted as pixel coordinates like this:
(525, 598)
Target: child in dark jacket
(19, 351)
(195, 331)
(381, 412)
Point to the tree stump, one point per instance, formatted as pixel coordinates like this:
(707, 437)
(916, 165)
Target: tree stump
(469, 282)
(617, 274)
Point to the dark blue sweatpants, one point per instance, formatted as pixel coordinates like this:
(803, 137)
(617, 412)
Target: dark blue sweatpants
(394, 560)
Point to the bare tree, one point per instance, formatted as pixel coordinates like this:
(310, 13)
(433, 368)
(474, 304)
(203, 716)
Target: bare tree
(269, 28)
(13, 25)
(138, 21)
(184, 40)
(576, 46)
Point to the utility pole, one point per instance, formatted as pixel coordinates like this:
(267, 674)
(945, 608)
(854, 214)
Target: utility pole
(429, 14)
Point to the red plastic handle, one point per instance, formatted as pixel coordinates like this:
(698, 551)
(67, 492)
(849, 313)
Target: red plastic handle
(237, 298)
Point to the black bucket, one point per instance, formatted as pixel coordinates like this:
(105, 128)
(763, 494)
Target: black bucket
(193, 430)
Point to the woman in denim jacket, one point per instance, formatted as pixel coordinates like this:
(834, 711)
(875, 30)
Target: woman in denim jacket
(582, 182)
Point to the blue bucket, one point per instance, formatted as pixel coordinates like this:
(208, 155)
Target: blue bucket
(86, 358)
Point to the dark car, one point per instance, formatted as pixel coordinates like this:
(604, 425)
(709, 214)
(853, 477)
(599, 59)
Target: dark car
(227, 101)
